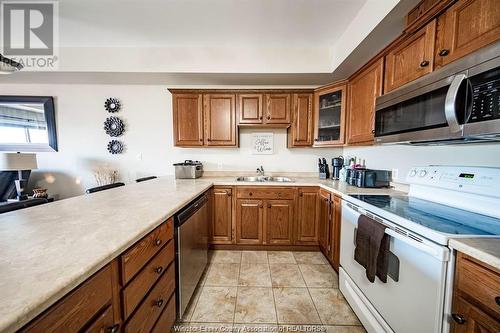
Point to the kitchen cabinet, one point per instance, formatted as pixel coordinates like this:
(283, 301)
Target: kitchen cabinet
(411, 59)
(249, 221)
(300, 134)
(476, 297)
(94, 306)
(324, 220)
(222, 226)
(188, 120)
(335, 221)
(364, 87)
(308, 216)
(329, 115)
(465, 27)
(423, 12)
(220, 123)
(277, 108)
(279, 222)
(250, 108)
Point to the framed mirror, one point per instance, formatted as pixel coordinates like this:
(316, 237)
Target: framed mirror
(27, 124)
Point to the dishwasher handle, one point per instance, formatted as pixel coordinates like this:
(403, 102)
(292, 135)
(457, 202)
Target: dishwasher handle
(190, 210)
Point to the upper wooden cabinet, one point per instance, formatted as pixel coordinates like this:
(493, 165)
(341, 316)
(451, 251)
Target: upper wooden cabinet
(411, 59)
(220, 123)
(329, 115)
(188, 120)
(250, 108)
(222, 228)
(300, 134)
(277, 108)
(465, 27)
(364, 87)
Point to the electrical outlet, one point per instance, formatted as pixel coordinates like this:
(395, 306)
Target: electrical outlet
(139, 156)
(395, 174)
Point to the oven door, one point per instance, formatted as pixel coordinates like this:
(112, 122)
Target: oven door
(434, 112)
(412, 304)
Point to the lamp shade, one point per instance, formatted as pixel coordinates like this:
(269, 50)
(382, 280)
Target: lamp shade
(17, 161)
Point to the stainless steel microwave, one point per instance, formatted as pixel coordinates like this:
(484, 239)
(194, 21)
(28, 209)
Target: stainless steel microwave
(458, 103)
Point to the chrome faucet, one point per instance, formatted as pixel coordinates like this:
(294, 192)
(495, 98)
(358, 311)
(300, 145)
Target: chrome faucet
(260, 171)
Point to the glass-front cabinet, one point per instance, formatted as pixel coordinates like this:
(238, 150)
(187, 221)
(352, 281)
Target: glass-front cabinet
(329, 124)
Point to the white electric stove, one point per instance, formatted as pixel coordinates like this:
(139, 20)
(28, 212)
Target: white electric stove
(444, 202)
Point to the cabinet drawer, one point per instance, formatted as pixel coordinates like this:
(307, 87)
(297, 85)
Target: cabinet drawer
(104, 323)
(266, 193)
(167, 318)
(139, 254)
(74, 311)
(135, 291)
(150, 309)
(479, 283)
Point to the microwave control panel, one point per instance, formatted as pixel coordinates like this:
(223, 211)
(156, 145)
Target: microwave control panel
(486, 96)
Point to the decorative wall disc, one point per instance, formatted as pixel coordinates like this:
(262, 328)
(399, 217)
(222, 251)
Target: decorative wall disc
(112, 105)
(114, 126)
(115, 147)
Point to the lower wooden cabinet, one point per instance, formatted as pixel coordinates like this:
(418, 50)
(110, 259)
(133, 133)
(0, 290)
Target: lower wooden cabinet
(94, 306)
(222, 220)
(249, 221)
(279, 222)
(329, 226)
(475, 297)
(307, 216)
(324, 219)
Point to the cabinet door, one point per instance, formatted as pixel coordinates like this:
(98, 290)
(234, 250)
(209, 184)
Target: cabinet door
(277, 109)
(250, 108)
(466, 318)
(465, 27)
(335, 221)
(222, 229)
(249, 221)
(301, 132)
(329, 116)
(220, 123)
(307, 217)
(324, 220)
(279, 222)
(188, 120)
(364, 88)
(411, 59)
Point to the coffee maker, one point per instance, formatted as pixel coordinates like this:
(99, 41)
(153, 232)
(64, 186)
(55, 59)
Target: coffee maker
(337, 164)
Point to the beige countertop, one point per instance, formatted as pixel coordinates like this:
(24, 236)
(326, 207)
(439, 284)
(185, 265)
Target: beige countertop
(486, 250)
(47, 250)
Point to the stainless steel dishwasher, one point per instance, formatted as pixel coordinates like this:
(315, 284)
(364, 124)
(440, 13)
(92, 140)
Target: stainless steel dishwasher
(191, 232)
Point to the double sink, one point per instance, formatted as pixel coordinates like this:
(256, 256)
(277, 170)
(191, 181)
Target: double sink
(264, 179)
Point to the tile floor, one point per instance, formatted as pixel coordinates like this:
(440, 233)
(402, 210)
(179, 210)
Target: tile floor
(265, 291)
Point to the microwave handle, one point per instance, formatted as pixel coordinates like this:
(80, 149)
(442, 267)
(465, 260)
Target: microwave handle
(450, 110)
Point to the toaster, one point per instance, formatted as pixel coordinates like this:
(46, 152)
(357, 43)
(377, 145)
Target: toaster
(367, 178)
(189, 169)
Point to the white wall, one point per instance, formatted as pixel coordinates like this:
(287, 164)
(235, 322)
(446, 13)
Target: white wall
(404, 157)
(147, 112)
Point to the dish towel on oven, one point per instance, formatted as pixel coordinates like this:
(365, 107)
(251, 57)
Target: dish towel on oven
(372, 248)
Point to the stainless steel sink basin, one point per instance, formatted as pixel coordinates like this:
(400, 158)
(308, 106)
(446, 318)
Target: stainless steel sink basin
(264, 179)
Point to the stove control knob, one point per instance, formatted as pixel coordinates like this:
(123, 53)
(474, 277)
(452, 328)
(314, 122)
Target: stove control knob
(423, 173)
(413, 173)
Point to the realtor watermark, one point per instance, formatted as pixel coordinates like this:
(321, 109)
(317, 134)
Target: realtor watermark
(30, 33)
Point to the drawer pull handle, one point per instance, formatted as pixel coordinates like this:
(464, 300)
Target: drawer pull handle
(497, 300)
(424, 63)
(444, 52)
(158, 242)
(159, 269)
(113, 329)
(159, 303)
(459, 319)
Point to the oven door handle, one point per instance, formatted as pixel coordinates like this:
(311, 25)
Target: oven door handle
(441, 254)
(450, 109)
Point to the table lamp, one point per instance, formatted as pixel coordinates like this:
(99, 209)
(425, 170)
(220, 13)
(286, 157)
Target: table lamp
(18, 162)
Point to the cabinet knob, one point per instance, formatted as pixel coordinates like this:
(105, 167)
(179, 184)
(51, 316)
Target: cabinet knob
(373, 131)
(316, 139)
(228, 194)
(268, 205)
(201, 140)
(250, 193)
(497, 300)
(326, 200)
(444, 52)
(158, 242)
(268, 117)
(113, 329)
(209, 140)
(260, 118)
(159, 269)
(261, 206)
(301, 194)
(424, 63)
(459, 319)
(159, 303)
